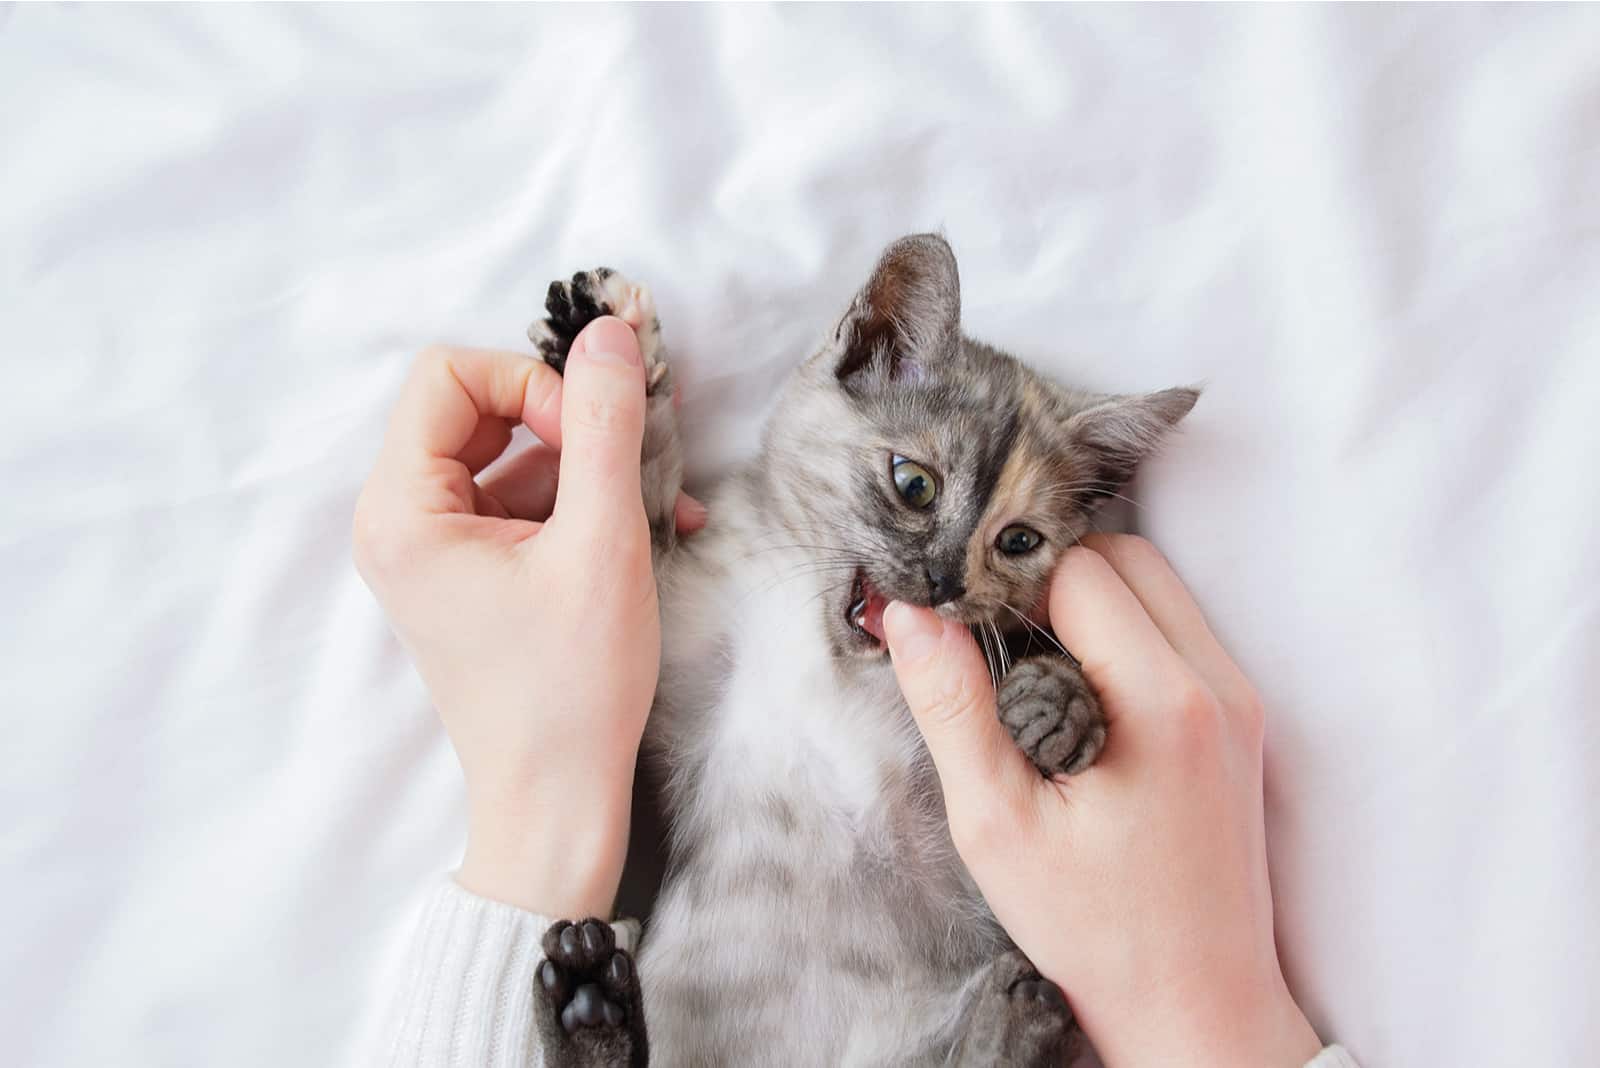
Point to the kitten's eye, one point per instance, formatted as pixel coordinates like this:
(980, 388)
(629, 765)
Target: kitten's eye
(1014, 541)
(913, 482)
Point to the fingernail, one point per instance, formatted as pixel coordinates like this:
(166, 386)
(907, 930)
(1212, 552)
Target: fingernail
(912, 635)
(610, 340)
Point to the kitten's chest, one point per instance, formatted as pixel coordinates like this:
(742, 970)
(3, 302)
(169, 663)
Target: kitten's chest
(792, 720)
(815, 791)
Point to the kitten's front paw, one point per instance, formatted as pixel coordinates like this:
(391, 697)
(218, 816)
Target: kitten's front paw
(573, 305)
(587, 993)
(1052, 713)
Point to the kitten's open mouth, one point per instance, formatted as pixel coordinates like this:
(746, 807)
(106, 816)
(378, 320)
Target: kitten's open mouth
(864, 612)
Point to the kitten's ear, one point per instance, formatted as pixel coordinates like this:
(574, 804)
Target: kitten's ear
(906, 317)
(1120, 431)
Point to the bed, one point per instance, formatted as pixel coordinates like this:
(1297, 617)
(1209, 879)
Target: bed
(1372, 234)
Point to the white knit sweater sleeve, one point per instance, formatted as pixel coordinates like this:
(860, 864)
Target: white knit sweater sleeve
(466, 998)
(466, 994)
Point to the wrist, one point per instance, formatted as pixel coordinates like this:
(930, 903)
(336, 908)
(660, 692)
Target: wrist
(555, 852)
(1226, 1027)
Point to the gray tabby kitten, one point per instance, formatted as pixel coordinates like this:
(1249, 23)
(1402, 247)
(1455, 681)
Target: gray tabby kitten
(814, 910)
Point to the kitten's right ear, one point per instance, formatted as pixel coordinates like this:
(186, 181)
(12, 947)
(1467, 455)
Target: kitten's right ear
(905, 318)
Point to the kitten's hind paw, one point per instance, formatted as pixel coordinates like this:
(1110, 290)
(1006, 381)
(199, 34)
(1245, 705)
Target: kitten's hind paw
(587, 1001)
(1017, 1017)
(573, 305)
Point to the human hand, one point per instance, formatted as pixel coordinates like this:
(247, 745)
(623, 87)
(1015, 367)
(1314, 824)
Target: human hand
(1140, 885)
(526, 601)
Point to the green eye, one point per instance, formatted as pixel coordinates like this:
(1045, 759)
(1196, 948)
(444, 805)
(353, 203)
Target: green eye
(1014, 541)
(913, 482)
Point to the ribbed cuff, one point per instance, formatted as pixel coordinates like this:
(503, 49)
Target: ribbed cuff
(1333, 1057)
(466, 998)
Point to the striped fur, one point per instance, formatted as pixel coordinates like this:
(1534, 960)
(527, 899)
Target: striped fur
(814, 910)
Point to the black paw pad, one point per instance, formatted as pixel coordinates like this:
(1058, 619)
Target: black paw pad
(586, 979)
(589, 1008)
(570, 306)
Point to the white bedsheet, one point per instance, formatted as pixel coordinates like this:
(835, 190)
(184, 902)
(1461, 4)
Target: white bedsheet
(1374, 234)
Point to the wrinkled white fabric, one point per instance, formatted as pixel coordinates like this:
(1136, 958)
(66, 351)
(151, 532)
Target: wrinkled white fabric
(1372, 233)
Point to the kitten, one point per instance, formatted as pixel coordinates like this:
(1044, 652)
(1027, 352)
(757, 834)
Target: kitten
(814, 910)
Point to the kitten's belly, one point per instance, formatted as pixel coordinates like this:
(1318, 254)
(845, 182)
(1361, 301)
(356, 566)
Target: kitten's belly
(817, 912)
(775, 960)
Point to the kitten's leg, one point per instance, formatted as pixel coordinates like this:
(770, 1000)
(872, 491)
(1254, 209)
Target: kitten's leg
(573, 305)
(1016, 1017)
(1052, 713)
(586, 999)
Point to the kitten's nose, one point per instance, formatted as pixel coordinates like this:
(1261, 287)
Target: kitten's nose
(943, 587)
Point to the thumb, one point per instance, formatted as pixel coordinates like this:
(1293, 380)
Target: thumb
(602, 425)
(946, 683)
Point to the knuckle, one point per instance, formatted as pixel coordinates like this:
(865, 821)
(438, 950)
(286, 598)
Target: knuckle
(433, 357)
(980, 829)
(1251, 715)
(376, 545)
(1196, 716)
(543, 390)
(1194, 701)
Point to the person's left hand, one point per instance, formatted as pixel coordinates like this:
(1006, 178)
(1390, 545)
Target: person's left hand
(527, 601)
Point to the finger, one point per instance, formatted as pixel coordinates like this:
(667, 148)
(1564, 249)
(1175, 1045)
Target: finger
(485, 504)
(489, 439)
(946, 684)
(450, 390)
(1146, 572)
(688, 515)
(526, 486)
(1124, 655)
(602, 426)
(526, 483)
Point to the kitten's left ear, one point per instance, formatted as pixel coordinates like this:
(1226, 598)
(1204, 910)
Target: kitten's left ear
(1120, 431)
(906, 317)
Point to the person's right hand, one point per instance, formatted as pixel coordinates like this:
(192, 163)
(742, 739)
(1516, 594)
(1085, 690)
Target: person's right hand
(1139, 886)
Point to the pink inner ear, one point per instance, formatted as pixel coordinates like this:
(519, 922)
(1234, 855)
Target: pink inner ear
(909, 371)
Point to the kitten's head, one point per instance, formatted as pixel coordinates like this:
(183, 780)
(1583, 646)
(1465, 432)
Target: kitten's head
(919, 465)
